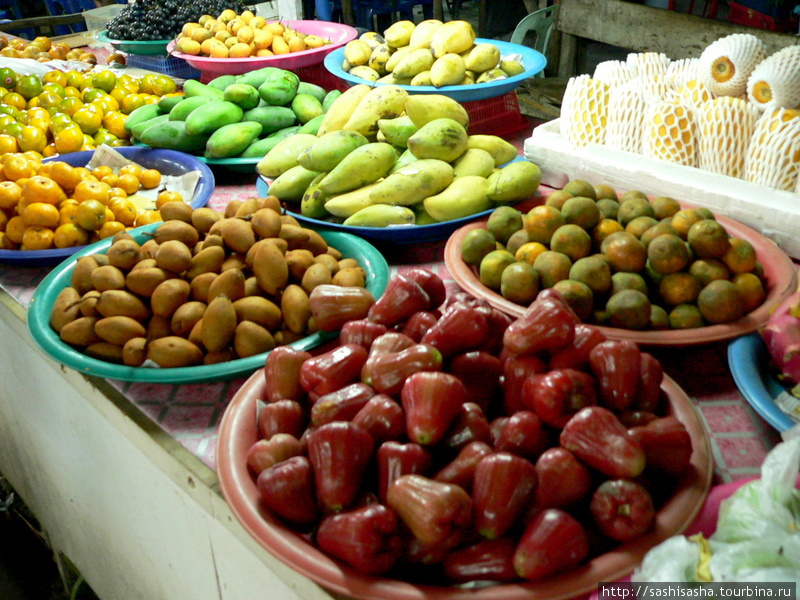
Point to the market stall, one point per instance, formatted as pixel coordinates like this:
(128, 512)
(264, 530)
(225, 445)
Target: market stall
(145, 464)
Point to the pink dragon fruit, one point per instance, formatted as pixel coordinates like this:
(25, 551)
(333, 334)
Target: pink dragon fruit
(782, 337)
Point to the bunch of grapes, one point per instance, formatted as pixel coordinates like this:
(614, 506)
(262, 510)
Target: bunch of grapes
(147, 20)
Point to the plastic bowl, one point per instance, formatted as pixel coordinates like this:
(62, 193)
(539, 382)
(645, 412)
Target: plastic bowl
(338, 33)
(50, 343)
(168, 162)
(238, 431)
(532, 60)
(148, 48)
(779, 271)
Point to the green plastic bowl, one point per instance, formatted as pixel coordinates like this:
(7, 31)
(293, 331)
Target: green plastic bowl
(50, 343)
(148, 48)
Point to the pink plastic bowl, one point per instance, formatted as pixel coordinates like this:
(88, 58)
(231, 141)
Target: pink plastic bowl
(338, 33)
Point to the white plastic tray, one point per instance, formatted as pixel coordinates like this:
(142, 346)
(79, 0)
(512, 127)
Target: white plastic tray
(774, 213)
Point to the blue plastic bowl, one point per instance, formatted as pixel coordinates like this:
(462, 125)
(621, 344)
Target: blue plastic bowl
(168, 162)
(532, 60)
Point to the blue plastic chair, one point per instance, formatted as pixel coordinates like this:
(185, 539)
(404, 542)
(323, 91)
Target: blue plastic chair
(366, 10)
(69, 7)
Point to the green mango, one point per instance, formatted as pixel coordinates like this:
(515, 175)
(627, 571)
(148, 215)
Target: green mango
(138, 129)
(232, 139)
(211, 116)
(330, 98)
(381, 215)
(313, 125)
(173, 136)
(313, 90)
(167, 103)
(181, 110)
(242, 94)
(192, 87)
(329, 150)
(279, 87)
(141, 114)
(366, 164)
(306, 107)
(222, 82)
(257, 77)
(292, 184)
(312, 204)
(258, 148)
(272, 118)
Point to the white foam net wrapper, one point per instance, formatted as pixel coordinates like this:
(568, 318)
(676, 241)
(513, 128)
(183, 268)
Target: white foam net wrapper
(693, 93)
(679, 72)
(670, 133)
(649, 63)
(773, 155)
(726, 63)
(627, 109)
(584, 110)
(775, 81)
(724, 128)
(613, 73)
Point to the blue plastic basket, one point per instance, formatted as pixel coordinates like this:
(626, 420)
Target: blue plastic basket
(168, 65)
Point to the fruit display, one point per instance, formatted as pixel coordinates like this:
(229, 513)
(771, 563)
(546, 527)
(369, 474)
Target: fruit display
(429, 53)
(206, 288)
(624, 261)
(237, 36)
(421, 168)
(62, 112)
(233, 116)
(163, 19)
(55, 205)
(418, 464)
(781, 336)
(43, 49)
(732, 111)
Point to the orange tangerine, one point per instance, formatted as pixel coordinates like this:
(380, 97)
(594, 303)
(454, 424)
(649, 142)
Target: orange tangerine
(114, 121)
(92, 190)
(67, 213)
(147, 217)
(3, 221)
(128, 182)
(111, 179)
(84, 174)
(150, 178)
(37, 238)
(69, 105)
(15, 228)
(116, 192)
(49, 150)
(8, 144)
(124, 211)
(70, 235)
(69, 139)
(43, 189)
(132, 169)
(64, 175)
(40, 214)
(168, 196)
(16, 166)
(110, 229)
(91, 214)
(102, 170)
(10, 193)
(32, 138)
(87, 119)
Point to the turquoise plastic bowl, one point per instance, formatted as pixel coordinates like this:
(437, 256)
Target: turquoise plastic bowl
(50, 343)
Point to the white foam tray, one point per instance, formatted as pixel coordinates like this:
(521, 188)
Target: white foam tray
(774, 213)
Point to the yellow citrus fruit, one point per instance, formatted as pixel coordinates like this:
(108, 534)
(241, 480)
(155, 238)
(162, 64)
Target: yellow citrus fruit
(15, 228)
(68, 139)
(91, 215)
(32, 138)
(150, 178)
(10, 193)
(109, 229)
(43, 189)
(92, 190)
(37, 238)
(40, 214)
(70, 235)
(124, 211)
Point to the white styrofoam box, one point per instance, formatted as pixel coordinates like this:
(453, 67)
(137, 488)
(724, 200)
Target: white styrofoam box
(775, 213)
(268, 10)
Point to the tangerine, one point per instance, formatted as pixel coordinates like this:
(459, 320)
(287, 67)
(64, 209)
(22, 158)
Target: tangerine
(708, 239)
(37, 238)
(15, 228)
(624, 252)
(541, 222)
(667, 253)
(740, 257)
(10, 193)
(8, 144)
(128, 182)
(70, 235)
(721, 302)
(40, 214)
(751, 290)
(64, 175)
(68, 139)
(150, 178)
(679, 288)
(43, 189)
(91, 214)
(92, 190)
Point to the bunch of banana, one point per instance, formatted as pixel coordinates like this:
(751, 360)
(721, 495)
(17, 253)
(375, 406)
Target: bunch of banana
(419, 166)
(430, 53)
